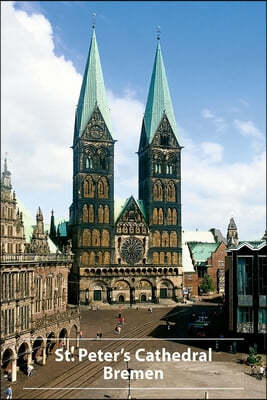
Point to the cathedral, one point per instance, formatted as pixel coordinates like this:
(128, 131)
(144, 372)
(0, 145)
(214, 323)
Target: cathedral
(135, 256)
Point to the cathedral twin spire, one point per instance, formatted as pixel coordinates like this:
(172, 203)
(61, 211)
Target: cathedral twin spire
(93, 94)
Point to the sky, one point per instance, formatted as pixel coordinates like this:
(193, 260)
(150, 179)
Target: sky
(215, 59)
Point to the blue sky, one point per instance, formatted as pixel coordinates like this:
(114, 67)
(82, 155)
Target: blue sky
(215, 60)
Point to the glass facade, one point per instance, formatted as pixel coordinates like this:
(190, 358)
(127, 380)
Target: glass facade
(244, 276)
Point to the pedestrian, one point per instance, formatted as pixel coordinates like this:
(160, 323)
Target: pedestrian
(100, 335)
(81, 335)
(261, 372)
(252, 369)
(30, 370)
(119, 316)
(8, 393)
(122, 320)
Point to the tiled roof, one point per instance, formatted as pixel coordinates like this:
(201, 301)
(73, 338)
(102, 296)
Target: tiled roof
(202, 251)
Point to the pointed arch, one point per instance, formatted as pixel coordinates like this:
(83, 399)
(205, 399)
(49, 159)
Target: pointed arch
(99, 258)
(106, 214)
(169, 216)
(169, 257)
(173, 239)
(92, 258)
(155, 216)
(100, 214)
(85, 258)
(105, 238)
(102, 188)
(95, 238)
(157, 191)
(85, 213)
(156, 239)
(165, 239)
(106, 259)
(155, 257)
(91, 213)
(174, 216)
(86, 237)
(170, 192)
(175, 258)
(161, 257)
(89, 187)
(160, 216)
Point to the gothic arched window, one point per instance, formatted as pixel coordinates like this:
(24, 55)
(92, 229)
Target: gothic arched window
(156, 239)
(173, 239)
(91, 213)
(85, 213)
(155, 216)
(100, 214)
(170, 192)
(160, 216)
(174, 216)
(106, 259)
(95, 238)
(105, 238)
(157, 191)
(106, 214)
(86, 237)
(165, 239)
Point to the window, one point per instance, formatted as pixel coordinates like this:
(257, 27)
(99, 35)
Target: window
(244, 315)
(262, 323)
(38, 293)
(49, 292)
(263, 276)
(244, 276)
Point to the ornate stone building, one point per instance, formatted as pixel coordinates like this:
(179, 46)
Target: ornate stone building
(35, 316)
(136, 256)
(12, 229)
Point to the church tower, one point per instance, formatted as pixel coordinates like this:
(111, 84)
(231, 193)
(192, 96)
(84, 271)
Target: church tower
(232, 234)
(160, 171)
(92, 210)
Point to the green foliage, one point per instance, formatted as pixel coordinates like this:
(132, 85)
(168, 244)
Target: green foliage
(207, 284)
(253, 357)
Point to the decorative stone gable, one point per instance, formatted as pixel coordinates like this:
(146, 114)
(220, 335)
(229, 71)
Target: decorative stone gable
(96, 128)
(164, 135)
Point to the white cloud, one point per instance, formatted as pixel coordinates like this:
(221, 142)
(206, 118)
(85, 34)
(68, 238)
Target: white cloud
(213, 151)
(248, 128)
(39, 93)
(219, 122)
(206, 113)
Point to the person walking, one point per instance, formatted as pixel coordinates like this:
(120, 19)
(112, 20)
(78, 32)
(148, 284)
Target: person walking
(8, 393)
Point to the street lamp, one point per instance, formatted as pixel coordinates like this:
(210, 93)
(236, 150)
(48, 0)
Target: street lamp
(129, 380)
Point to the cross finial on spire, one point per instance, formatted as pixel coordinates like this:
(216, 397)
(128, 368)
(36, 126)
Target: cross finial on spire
(158, 32)
(93, 20)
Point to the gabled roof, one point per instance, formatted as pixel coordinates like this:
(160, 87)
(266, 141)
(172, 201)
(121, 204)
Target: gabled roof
(159, 99)
(202, 251)
(130, 199)
(92, 92)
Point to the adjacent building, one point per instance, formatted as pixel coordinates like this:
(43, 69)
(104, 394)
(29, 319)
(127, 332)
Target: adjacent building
(135, 256)
(246, 289)
(203, 254)
(35, 316)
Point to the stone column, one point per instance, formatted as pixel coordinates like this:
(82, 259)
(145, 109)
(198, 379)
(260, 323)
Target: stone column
(29, 358)
(67, 342)
(44, 355)
(77, 338)
(13, 369)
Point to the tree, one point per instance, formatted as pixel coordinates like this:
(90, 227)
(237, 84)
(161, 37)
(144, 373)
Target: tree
(207, 284)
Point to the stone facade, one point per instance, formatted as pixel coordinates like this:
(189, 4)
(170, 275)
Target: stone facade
(35, 317)
(12, 228)
(135, 257)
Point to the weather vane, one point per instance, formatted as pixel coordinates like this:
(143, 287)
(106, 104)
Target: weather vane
(158, 32)
(94, 20)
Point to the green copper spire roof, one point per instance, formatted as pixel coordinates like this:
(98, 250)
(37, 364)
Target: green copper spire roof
(92, 92)
(159, 99)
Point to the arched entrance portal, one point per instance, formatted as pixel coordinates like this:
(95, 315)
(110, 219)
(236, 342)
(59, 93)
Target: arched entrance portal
(37, 349)
(166, 290)
(63, 338)
(74, 336)
(9, 364)
(50, 343)
(23, 356)
(121, 292)
(143, 298)
(97, 293)
(121, 298)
